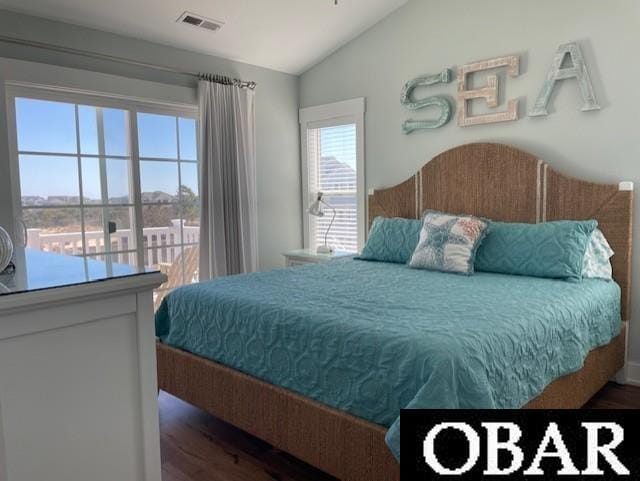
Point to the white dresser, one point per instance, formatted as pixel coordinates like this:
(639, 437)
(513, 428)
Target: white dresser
(78, 391)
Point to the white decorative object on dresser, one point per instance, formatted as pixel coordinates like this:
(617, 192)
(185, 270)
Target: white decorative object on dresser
(78, 385)
(300, 257)
(6, 249)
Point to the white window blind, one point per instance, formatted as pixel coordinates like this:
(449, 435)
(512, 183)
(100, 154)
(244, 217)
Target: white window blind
(332, 170)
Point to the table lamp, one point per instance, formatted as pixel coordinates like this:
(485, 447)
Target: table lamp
(316, 210)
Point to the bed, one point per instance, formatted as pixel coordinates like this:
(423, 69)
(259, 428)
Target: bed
(321, 371)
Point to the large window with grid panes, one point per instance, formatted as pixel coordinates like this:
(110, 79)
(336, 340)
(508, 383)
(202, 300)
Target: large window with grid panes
(110, 180)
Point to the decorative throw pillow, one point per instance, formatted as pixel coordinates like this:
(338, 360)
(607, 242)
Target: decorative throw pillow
(596, 262)
(391, 240)
(551, 249)
(448, 242)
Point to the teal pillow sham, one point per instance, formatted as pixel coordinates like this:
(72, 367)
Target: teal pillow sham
(391, 240)
(551, 249)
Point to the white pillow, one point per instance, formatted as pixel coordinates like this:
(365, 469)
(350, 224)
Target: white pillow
(596, 264)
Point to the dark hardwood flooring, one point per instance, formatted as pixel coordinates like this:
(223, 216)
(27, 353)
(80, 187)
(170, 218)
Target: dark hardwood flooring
(615, 396)
(198, 447)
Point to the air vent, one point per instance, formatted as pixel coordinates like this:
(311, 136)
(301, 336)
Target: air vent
(210, 25)
(199, 21)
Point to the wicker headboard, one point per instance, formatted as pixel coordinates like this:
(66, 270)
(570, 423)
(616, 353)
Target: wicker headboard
(504, 183)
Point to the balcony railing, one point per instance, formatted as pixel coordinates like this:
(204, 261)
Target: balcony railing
(161, 244)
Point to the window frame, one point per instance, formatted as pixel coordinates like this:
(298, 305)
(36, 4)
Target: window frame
(133, 105)
(329, 115)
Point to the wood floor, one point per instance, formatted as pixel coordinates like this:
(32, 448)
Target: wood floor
(198, 447)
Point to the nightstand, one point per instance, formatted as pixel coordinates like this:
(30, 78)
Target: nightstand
(300, 257)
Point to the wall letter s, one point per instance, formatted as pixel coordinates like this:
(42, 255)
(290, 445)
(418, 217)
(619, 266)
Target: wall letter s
(433, 101)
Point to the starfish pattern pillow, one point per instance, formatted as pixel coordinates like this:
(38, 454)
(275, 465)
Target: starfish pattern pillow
(448, 243)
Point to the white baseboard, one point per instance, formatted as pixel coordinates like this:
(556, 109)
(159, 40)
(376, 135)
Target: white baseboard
(633, 373)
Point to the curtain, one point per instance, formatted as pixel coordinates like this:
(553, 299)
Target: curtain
(228, 227)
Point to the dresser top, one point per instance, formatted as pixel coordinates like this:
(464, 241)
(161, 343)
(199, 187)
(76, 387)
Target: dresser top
(37, 271)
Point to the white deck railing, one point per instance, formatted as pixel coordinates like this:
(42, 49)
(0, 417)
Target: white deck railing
(155, 241)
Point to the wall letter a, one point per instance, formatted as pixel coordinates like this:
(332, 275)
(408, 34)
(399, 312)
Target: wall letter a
(578, 71)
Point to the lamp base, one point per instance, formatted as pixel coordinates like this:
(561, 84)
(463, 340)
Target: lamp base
(324, 250)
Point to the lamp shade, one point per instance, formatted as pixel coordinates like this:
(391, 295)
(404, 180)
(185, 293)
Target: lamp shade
(315, 209)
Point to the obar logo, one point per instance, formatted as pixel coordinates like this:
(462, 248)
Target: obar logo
(477, 444)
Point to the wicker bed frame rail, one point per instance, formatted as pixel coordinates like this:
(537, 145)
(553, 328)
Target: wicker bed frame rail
(491, 180)
(347, 447)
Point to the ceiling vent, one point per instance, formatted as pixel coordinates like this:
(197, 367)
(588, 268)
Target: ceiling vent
(199, 21)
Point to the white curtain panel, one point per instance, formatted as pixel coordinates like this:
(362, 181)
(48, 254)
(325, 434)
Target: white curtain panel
(228, 228)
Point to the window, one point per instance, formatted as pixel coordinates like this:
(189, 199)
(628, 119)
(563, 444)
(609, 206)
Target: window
(170, 198)
(333, 164)
(114, 181)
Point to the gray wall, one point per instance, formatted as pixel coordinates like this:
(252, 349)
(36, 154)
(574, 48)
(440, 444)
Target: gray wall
(424, 37)
(276, 109)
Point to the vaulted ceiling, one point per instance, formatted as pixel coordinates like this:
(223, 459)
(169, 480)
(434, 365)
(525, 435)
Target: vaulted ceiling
(285, 35)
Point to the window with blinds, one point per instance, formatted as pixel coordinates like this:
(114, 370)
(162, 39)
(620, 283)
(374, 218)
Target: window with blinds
(332, 170)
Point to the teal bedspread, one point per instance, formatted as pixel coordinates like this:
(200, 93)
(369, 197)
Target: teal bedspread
(371, 338)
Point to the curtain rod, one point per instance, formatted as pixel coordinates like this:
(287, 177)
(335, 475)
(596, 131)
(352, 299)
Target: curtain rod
(222, 79)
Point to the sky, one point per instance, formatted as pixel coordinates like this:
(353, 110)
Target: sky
(44, 126)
